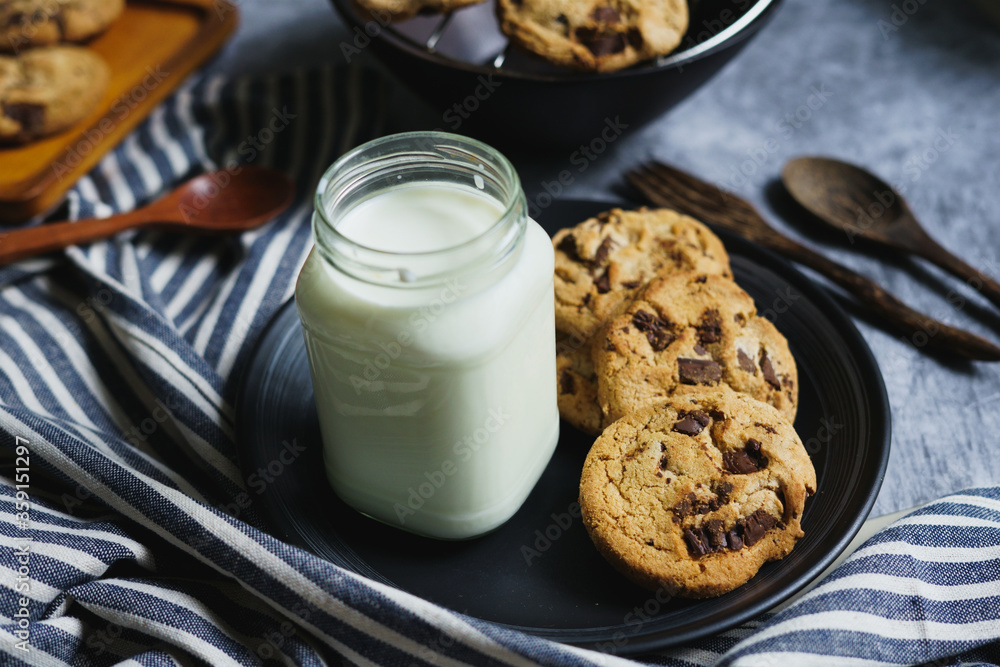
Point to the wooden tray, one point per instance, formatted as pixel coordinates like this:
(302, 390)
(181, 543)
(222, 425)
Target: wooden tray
(150, 49)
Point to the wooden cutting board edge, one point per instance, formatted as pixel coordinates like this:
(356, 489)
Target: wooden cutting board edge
(46, 190)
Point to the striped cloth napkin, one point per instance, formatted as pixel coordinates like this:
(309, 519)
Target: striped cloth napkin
(118, 368)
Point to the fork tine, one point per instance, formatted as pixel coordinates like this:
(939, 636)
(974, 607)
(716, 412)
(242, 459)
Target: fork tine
(661, 188)
(702, 191)
(710, 197)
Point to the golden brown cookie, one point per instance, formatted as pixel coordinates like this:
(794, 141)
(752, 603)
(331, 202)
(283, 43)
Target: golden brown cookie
(43, 91)
(29, 23)
(694, 494)
(400, 10)
(600, 264)
(595, 35)
(685, 333)
(577, 389)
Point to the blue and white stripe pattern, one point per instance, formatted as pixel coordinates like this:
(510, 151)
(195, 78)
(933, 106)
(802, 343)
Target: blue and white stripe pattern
(118, 368)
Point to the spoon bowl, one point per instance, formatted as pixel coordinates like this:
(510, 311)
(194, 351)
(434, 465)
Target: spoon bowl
(229, 201)
(846, 197)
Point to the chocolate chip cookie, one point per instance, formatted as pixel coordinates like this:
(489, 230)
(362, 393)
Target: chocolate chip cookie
(694, 494)
(28, 23)
(43, 91)
(400, 10)
(595, 35)
(685, 333)
(600, 264)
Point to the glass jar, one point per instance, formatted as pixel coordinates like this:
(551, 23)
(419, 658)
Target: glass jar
(427, 309)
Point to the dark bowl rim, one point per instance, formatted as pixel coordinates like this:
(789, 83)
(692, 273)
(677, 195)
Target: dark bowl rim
(733, 34)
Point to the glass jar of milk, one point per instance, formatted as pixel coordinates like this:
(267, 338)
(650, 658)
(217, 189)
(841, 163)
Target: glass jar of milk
(429, 323)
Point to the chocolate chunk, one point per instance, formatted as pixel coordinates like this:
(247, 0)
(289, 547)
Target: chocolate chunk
(632, 284)
(566, 383)
(766, 427)
(603, 284)
(756, 525)
(692, 423)
(744, 461)
(656, 329)
(568, 246)
(634, 38)
(599, 42)
(698, 349)
(663, 463)
(31, 117)
(769, 375)
(605, 15)
(683, 508)
(710, 327)
(602, 252)
(699, 371)
(716, 535)
(649, 543)
(746, 363)
(734, 539)
(697, 542)
(722, 491)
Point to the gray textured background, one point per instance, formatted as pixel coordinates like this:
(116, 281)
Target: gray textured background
(891, 96)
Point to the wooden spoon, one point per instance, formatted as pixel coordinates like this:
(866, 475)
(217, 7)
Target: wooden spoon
(859, 203)
(218, 202)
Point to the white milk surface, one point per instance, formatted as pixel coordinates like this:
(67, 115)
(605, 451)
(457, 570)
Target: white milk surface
(437, 405)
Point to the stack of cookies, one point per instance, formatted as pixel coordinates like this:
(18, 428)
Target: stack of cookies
(697, 477)
(45, 85)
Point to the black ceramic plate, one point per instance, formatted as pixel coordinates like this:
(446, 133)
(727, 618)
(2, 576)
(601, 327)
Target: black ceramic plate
(539, 572)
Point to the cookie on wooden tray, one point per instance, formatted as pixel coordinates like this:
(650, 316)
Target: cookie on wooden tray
(599, 265)
(43, 91)
(694, 494)
(688, 333)
(400, 10)
(28, 23)
(601, 35)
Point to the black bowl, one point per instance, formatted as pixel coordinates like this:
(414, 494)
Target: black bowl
(528, 103)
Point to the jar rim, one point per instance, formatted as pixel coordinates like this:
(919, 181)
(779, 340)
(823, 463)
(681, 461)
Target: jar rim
(514, 199)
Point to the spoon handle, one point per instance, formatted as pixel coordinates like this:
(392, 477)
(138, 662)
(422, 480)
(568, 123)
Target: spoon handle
(23, 243)
(934, 252)
(920, 330)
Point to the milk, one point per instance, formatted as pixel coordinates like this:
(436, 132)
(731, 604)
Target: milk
(436, 403)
